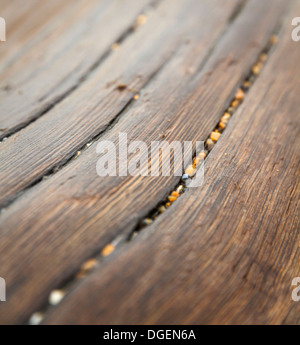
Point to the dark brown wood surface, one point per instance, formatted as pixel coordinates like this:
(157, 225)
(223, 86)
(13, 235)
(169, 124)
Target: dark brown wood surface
(56, 136)
(234, 241)
(57, 53)
(228, 251)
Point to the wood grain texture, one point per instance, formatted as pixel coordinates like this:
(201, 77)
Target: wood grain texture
(56, 53)
(22, 25)
(53, 227)
(88, 201)
(54, 138)
(225, 253)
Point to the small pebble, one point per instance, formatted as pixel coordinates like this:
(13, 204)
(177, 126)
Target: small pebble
(263, 57)
(239, 95)
(161, 209)
(274, 39)
(172, 198)
(235, 103)
(56, 296)
(196, 161)
(190, 170)
(202, 155)
(180, 188)
(141, 20)
(107, 250)
(36, 319)
(222, 125)
(88, 265)
(256, 68)
(209, 144)
(148, 221)
(185, 177)
(215, 136)
(225, 118)
(246, 84)
(115, 46)
(199, 158)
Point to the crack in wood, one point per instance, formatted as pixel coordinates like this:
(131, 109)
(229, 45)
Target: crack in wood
(123, 239)
(78, 151)
(86, 75)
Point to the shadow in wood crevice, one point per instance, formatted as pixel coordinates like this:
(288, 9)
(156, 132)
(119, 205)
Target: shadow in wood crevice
(86, 75)
(123, 240)
(89, 141)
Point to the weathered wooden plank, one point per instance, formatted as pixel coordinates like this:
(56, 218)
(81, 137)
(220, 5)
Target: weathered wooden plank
(54, 138)
(227, 252)
(22, 26)
(75, 212)
(63, 52)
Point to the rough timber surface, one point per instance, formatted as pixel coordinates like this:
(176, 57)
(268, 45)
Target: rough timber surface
(234, 241)
(226, 252)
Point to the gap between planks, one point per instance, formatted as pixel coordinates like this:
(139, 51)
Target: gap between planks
(57, 295)
(86, 75)
(89, 141)
(222, 106)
